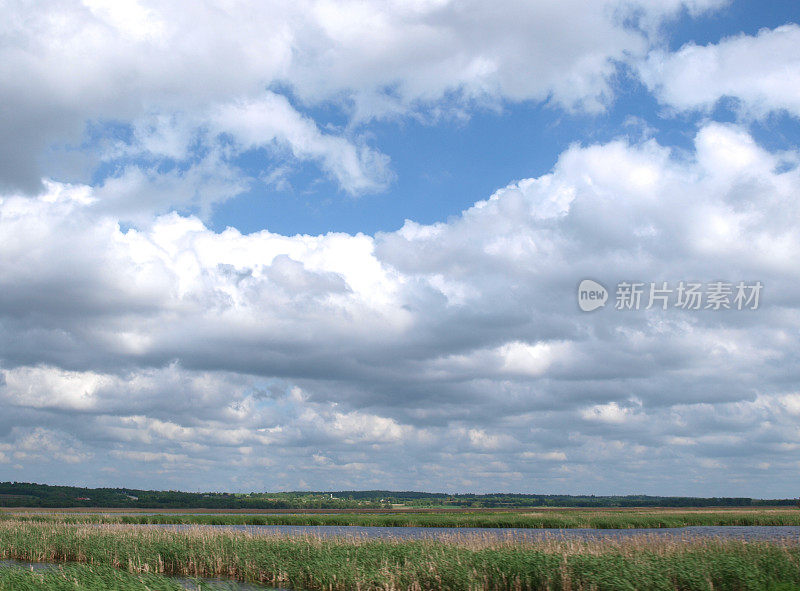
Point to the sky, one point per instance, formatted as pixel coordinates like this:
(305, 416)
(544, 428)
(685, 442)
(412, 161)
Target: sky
(338, 244)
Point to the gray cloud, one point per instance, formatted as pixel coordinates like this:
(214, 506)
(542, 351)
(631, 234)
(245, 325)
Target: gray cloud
(449, 356)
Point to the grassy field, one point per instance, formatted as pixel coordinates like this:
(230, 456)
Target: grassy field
(459, 563)
(87, 578)
(591, 518)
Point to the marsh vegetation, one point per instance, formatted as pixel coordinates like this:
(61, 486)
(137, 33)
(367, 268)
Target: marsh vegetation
(553, 519)
(458, 563)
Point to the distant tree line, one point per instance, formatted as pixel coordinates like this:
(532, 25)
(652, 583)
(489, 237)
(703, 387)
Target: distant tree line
(22, 494)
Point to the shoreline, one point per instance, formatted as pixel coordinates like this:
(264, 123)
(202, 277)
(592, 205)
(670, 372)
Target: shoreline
(398, 511)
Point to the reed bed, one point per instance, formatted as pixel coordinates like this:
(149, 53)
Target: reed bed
(460, 562)
(596, 518)
(87, 578)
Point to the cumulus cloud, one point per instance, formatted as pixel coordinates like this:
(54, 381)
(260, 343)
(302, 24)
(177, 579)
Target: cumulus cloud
(145, 86)
(761, 72)
(47, 446)
(272, 119)
(450, 355)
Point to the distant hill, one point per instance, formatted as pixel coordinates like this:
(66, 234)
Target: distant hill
(22, 494)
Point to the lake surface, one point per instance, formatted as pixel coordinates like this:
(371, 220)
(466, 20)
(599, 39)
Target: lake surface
(753, 532)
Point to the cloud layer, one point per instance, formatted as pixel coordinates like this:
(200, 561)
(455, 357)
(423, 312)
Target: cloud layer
(142, 348)
(132, 87)
(449, 356)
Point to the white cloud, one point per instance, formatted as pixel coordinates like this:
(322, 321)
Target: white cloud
(40, 387)
(137, 192)
(609, 413)
(484, 441)
(551, 456)
(141, 456)
(441, 353)
(357, 427)
(761, 71)
(791, 402)
(129, 18)
(47, 446)
(173, 72)
(271, 118)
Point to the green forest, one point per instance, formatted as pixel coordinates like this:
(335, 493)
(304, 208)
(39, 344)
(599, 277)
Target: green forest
(21, 494)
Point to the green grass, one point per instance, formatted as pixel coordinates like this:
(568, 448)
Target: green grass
(86, 578)
(459, 563)
(596, 518)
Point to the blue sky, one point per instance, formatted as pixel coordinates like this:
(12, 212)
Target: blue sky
(336, 244)
(444, 167)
